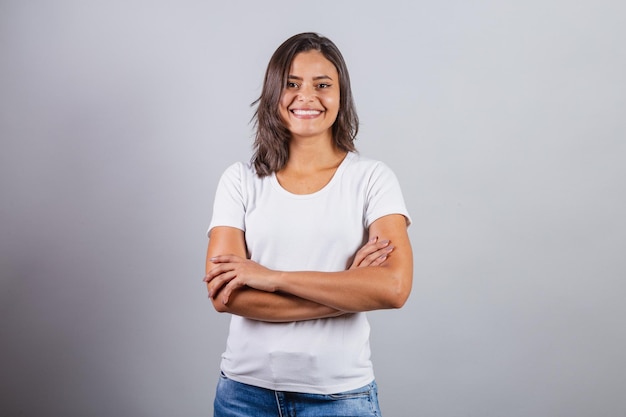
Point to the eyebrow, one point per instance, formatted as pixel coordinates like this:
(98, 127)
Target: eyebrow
(319, 77)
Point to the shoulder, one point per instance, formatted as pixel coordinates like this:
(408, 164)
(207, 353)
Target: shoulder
(382, 189)
(239, 168)
(365, 166)
(240, 178)
(238, 172)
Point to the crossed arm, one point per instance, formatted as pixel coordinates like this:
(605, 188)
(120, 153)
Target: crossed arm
(379, 278)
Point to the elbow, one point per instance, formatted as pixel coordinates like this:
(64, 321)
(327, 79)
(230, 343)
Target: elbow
(398, 299)
(218, 305)
(216, 300)
(400, 291)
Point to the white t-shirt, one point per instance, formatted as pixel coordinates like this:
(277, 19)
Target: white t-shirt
(315, 232)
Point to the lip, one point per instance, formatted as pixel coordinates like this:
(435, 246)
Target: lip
(306, 113)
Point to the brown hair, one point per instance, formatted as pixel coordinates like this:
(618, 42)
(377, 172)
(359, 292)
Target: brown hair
(271, 143)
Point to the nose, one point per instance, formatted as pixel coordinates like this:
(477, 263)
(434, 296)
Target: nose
(306, 93)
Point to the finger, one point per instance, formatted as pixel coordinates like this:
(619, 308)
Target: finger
(370, 249)
(219, 282)
(379, 261)
(374, 257)
(383, 243)
(213, 273)
(229, 288)
(219, 269)
(364, 251)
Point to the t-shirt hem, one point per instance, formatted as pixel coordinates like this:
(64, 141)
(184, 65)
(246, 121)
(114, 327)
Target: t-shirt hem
(223, 224)
(302, 388)
(398, 210)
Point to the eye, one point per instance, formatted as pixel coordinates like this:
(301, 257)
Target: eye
(323, 85)
(291, 84)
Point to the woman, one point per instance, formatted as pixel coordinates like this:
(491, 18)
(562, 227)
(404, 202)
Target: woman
(284, 257)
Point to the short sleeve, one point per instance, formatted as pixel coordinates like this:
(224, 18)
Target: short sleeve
(229, 203)
(384, 195)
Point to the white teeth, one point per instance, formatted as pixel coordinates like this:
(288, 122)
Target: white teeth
(306, 112)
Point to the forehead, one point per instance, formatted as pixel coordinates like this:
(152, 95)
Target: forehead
(312, 63)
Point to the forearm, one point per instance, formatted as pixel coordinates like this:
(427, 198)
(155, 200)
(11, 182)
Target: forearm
(362, 289)
(272, 307)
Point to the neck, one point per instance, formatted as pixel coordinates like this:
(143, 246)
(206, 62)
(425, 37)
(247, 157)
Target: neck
(308, 154)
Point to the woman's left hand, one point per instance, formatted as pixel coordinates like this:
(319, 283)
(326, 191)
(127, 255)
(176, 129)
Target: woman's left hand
(373, 253)
(232, 272)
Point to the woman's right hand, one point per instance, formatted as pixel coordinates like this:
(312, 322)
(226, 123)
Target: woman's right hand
(373, 253)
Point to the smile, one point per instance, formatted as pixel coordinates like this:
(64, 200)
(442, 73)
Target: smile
(299, 112)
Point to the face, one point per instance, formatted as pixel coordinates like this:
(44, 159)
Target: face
(309, 103)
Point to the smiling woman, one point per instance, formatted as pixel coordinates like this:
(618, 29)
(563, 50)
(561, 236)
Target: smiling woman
(303, 241)
(273, 136)
(310, 102)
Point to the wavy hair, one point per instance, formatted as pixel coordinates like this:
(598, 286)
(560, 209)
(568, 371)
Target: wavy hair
(271, 142)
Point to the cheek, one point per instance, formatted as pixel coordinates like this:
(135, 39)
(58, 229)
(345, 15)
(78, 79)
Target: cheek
(334, 103)
(286, 98)
(284, 103)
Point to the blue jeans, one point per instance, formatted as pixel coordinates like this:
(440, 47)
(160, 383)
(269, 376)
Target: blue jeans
(234, 399)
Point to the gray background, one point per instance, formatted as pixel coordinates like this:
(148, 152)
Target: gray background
(504, 122)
